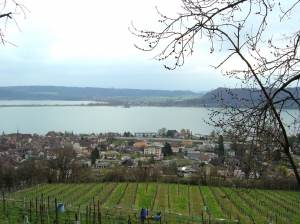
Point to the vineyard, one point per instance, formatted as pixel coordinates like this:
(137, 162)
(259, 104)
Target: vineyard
(113, 202)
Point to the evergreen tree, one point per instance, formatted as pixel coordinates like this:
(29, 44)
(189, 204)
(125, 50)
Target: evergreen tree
(94, 155)
(221, 150)
(167, 150)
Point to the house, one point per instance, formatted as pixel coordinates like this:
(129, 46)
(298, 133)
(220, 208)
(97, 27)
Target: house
(85, 162)
(128, 162)
(181, 135)
(204, 159)
(111, 155)
(232, 161)
(99, 165)
(238, 174)
(52, 134)
(175, 147)
(193, 155)
(153, 150)
(187, 143)
(140, 144)
(101, 138)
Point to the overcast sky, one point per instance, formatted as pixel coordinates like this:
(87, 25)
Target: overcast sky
(88, 44)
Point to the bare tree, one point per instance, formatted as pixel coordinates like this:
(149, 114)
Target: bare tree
(268, 68)
(64, 166)
(9, 9)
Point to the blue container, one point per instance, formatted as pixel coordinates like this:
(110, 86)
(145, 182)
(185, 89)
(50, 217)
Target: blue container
(143, 214)
(60, 207)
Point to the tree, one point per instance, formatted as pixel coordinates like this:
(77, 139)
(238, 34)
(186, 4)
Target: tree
(30, 172)
(127, 134)
(8, 11)
(221, 150)
(162, 131)
(65, 167)
(266, 63)
(94, 155)
(167, 150)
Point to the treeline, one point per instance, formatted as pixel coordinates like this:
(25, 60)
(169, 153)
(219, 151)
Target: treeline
(214, 98)
(82, 93)
(62, 167)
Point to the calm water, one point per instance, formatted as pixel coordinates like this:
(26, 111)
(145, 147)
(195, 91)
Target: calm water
(99, 119)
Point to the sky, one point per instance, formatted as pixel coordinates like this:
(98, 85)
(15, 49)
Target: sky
(88, 44)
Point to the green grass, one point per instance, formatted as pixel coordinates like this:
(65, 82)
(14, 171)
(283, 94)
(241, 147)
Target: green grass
(179, 203)
(161, 200)
(262, 205)
(144, 197)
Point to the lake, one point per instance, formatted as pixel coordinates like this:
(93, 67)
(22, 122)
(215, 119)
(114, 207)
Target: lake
(96, 119)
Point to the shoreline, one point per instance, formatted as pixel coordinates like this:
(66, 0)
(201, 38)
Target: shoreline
(52, 105)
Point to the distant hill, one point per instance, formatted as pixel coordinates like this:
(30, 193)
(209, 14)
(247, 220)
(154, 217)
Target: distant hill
(135, 97)
(244, 94)
(85, 93)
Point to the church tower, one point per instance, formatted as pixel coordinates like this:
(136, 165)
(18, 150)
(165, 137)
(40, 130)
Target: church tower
(18, 140)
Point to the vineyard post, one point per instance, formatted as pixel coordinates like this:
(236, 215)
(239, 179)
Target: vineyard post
(48, 202)
(36, 208)
(48, 215)
(41, 213)
(147, 213)
(76, 218)
(90, 212)
(164, 214)
(99, 218)
(94, 217)
(87, 214)
(56, 212)
(30, 212)
(94, 204)
(3, 198)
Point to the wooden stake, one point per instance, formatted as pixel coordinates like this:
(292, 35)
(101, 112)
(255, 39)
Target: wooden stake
(3, 196)
(56, 212)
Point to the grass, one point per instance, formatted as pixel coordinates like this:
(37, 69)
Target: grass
(145, 197)
(265, 206)
(179, 203)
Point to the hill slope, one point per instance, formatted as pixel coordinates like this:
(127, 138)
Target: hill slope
(85, 93)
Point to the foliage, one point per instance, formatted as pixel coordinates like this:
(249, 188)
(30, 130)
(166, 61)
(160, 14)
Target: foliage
(167, 150)
(94, 155)
(127, 134)
(63, 167)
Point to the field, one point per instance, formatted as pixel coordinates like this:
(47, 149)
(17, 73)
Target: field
(112, 202)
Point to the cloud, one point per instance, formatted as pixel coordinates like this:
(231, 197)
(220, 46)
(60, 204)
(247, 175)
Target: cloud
(75, 43)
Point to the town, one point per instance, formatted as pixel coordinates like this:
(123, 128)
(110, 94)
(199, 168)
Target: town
(68, 157)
